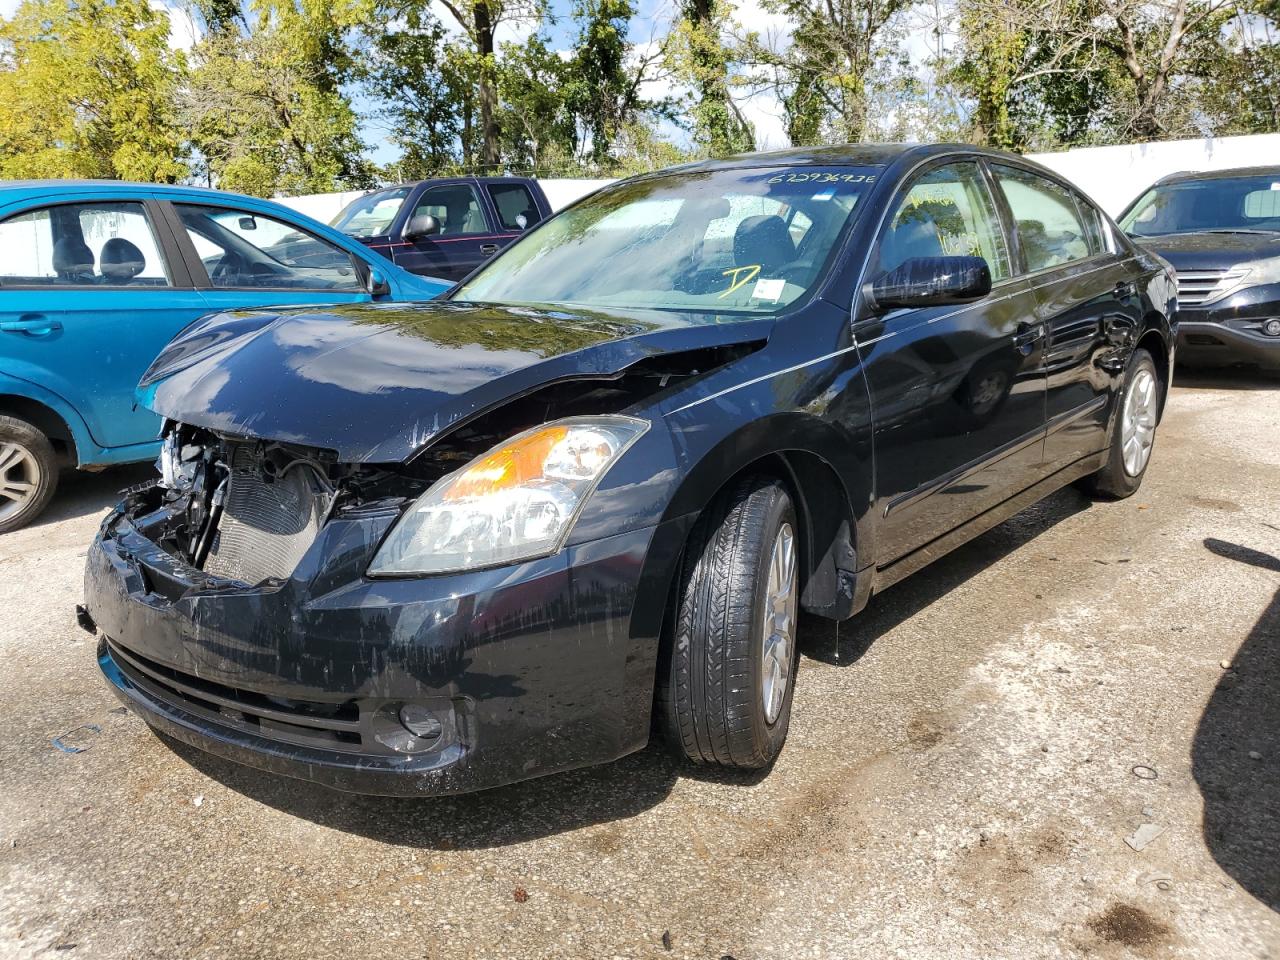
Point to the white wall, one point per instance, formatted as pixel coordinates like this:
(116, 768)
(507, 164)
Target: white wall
(1113, 176)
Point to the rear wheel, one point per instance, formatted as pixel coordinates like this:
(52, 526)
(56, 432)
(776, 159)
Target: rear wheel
(724, 692)
(28, 473)
(1133, 432)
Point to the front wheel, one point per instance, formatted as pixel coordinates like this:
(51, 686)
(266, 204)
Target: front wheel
(28, 473)
(1133, 432)
(728, 672)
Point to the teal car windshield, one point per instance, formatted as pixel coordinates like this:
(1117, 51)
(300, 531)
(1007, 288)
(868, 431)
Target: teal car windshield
(726, 241)
(372, 214)
(1227, 204)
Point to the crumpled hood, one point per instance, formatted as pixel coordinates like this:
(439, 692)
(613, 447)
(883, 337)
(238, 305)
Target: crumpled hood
(1213, 251)
(376, 382)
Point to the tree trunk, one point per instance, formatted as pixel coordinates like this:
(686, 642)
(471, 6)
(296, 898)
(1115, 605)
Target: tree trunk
(488, 94)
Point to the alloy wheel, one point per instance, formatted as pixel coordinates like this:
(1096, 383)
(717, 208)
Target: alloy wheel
(1139, 422)
(19, 478)
(779, 623)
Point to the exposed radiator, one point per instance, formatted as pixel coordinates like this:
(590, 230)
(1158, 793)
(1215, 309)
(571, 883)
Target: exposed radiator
(266, 524)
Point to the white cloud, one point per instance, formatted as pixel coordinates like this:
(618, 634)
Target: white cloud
(7, 8)
(183, 32)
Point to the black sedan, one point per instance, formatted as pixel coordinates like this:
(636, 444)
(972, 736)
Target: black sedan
(1221, 232)
(437, 547)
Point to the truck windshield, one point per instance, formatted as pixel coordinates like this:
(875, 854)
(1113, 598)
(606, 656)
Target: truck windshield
(372, 214)
(1192, 206)
(722, 241)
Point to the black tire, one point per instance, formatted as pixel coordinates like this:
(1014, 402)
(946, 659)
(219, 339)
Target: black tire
(711, 682)
(34, 462)
(1114, 481)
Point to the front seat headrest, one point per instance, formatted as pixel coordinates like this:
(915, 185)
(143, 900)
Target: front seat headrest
(72, 259)
(121, 260)
(917, 237)
(763, 240)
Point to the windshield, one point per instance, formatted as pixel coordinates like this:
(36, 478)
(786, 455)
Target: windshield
(1230, 203)
(736, 241)
(372, 214)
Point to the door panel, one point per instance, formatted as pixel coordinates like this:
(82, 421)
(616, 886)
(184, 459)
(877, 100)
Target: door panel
(957, 392)
(98, 305)
(464, 241)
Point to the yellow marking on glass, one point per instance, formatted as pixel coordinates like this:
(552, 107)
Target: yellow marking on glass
(739, 280)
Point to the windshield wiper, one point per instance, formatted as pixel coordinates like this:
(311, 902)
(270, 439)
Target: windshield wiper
(1240, 230)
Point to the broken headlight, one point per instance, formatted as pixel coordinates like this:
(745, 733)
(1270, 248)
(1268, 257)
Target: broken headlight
(516, 502)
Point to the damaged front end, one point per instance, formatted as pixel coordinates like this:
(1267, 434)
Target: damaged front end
(247, 510)
(237, 612)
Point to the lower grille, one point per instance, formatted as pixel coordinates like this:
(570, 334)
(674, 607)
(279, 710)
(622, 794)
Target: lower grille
(333, 726)
(267, 523)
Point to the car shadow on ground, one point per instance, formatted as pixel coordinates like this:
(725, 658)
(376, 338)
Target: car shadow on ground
(517, 813)
(843, 644)
(81, 493)
(1226, 378)
(613, 791)
(1235, 757)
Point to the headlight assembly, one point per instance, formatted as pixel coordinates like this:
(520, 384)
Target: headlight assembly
(516, 502)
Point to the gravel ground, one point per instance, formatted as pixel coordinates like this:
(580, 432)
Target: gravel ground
(966, 761)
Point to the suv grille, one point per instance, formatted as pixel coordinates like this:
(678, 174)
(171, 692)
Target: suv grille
(1198, 287)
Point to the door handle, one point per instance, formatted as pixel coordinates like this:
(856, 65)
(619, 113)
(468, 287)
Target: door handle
(488, 249)
(1028, 333)
(32, 324)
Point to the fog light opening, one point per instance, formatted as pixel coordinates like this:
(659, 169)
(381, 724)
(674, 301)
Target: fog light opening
(420, 721)
(1271, 328)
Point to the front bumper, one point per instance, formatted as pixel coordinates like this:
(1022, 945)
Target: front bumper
(529, 669)
(1230, 332)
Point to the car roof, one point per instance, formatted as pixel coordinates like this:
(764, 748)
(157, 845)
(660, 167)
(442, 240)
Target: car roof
(12, 189)
(1183, 176)
(851, 154)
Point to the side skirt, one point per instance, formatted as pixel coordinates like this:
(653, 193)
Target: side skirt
(923, 556)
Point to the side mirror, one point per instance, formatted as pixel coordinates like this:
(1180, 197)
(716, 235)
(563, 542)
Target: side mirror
(248, 223)
(422, 225)
(378, 285)
(931, 282)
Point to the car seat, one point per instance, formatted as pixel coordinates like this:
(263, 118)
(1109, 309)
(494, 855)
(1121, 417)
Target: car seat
(121, 261)
(763, 240)
(910, 238)
(73, 261)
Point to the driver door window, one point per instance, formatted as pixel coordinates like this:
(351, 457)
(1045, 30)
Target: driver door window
(242, 249)
(455, 207)
(947, 213)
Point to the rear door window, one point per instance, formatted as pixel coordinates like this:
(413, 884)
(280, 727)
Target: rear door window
(1051, 228)
(82, 244)
(515, 204)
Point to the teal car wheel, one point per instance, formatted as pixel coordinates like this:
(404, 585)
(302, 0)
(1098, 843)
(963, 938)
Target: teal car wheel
(28, 473)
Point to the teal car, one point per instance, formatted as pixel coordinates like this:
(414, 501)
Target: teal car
(97, 276)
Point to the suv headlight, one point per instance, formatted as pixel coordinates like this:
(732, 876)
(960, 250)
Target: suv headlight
(1261, 272)
(516, 502)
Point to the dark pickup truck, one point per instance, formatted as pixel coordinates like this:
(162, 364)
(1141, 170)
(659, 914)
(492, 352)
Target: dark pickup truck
(447, 227)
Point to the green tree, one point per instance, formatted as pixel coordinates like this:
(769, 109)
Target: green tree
(266, 105)
(823, 71)
(702, 59)
(86, 90)
(421, 95)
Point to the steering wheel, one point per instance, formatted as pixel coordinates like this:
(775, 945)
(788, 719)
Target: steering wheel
(229, 263)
